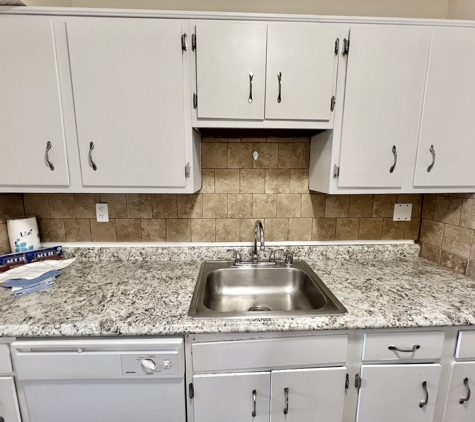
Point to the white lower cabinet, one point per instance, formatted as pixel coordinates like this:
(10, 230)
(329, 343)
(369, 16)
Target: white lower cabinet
(395, 393)
(9, 411)
(460, 406)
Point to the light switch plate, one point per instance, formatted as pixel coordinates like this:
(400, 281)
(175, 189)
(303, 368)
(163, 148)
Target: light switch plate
(402, 212)
(102, 213)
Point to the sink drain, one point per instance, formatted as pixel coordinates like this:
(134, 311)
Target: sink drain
(259, 309)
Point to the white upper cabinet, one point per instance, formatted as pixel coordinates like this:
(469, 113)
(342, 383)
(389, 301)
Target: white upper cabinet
(31, 121)
(127, 77)
(301, 67)
(384, 86)
(231, 69)
(447, 134)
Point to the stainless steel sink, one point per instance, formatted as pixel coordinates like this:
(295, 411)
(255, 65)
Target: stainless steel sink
(224, 290)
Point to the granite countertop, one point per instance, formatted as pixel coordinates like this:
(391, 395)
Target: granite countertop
(108, 293)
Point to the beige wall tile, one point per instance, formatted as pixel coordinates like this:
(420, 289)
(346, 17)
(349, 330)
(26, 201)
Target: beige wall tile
(61, 205)
(347, 228)
(52, 230)
(428, 206)
(11, 205)
(414, 199)
(227, 140)
(4, 242)
(207, 181)
(457, 240)
(432, 232)
(139, 205)
(293, 155)
(454, 262)
(337, 205)
(215, 205)
(128, 230)
(448, 209)
(153, 230)
(288, 205)
(393, 230)
(116, 203)
(252, 180)
(279, 139)
(268, 155)
(383, 205)
(85, 204)
(299, 181)
(313, 205)
(103, 232)
(240, 156)
(165, 206)
(462, 195)
(190, 206)
(324, 229)
(36, 204)
(300, 229)
(412, 229)
(276, 229)
(214, 155)
(371, 228)
(246, 229)
(264, 206)
(471, 269)
(227, 180)
(178, 230)
(254, 140)
(227, 230)
(203, 230)
(277, 181)
(472, 251)
(77, 229)
(430, 252)
(240, 205)
(467, 217)
(207, 139)
(361, 206)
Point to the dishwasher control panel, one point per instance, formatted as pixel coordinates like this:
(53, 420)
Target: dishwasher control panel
(150, 364)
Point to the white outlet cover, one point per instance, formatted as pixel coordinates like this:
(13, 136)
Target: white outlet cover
(402, 212)
(102, 213)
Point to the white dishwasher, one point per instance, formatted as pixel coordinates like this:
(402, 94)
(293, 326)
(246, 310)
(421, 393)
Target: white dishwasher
(101, 380)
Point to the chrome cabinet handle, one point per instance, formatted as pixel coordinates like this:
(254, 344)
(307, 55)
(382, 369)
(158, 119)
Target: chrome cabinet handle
(92, 163)
(395, 159)
(397, 349)
(286, 408)
(424, 402)
(254, 413)
(250, 86)
(467, 398)
(279, 76)
(50, 164)
(432, 151)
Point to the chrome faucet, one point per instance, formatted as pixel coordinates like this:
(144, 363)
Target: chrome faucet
(258, 226)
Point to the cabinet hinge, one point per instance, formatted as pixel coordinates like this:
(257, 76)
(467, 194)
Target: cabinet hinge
(193, 42)
(332, 103)
(187, 170)
(195, 100)
(346, 46)
(347, 381)
(336, 171)
(191, 390)
(183, 42)
(337, 46)
(357, 381)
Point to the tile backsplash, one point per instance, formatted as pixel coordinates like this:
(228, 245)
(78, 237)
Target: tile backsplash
(236, 191)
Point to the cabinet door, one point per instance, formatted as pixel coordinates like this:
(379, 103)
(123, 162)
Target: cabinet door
(458, 389)
(303, 57)
(229, 55)
(311, 395)
(8, 400)
(393, 393)
(128, 92)
(448, 118)
(230, 397)
(30, 104)
(384, 87)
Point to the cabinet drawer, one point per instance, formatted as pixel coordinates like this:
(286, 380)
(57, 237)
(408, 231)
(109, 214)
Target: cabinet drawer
(465, 345)
(5, 360)
(413, 346)
(271, 353)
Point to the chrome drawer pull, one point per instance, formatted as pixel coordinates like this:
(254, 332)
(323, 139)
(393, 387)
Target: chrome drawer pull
(464, 399)
(397, 349)
(92, 163)
(51, 167)
(432, 151)
(426, 400)
(251, 76)
(395, 159)
(254, 413)
(279, 76)
(286, 408)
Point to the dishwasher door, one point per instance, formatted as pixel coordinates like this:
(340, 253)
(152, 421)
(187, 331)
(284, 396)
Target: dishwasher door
(101, 380)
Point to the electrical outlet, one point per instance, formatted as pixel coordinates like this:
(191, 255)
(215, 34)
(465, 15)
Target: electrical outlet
(402, 212)
(102, 213)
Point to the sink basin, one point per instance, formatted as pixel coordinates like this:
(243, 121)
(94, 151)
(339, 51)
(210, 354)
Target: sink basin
(227, 291)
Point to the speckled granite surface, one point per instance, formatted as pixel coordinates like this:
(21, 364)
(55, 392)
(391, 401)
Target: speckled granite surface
(137, 296)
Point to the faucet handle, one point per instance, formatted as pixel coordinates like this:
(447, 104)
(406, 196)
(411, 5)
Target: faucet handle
(289, 259)
(272, 254)
(237, 255)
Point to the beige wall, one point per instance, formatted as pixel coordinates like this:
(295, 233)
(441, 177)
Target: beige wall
(462, 9)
